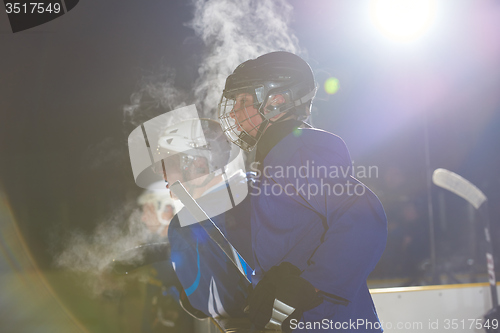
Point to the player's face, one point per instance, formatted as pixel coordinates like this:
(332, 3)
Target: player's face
(191, 171)
(170, 169)
(245, 114)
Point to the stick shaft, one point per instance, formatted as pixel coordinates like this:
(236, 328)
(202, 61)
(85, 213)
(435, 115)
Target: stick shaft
(212, 230)
(465, 189)
(490, 261)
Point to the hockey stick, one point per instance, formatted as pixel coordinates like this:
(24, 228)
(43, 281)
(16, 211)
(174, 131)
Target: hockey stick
(465, 189)
(213, 231)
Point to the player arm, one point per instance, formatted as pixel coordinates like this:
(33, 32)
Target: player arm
(350, 248)
(355, 228)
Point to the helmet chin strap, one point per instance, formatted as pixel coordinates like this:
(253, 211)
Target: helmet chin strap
(247, 138)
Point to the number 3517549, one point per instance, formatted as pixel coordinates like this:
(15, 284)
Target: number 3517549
(32, 8)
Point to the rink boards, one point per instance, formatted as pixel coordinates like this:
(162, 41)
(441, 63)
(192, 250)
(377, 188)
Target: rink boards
(442, 308)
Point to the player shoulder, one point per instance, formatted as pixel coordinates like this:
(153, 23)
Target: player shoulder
(310, 143)
(318, 137)
(315, 140)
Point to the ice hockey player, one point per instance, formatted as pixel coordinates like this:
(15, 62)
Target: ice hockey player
(197, 153)
(316, 234)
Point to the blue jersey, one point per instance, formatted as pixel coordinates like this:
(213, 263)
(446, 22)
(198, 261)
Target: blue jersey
(210, 280)
(308, 209)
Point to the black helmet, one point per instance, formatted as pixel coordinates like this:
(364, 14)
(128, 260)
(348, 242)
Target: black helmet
(268, 75)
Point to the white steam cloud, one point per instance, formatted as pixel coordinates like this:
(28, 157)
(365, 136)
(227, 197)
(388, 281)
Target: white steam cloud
(156, 94)
(91, 256)
(233, 32)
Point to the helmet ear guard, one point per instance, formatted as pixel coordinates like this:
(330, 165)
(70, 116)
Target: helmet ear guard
(290, 103)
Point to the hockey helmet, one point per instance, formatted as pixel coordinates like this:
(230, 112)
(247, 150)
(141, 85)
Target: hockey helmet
(195, 147)
(271, 74)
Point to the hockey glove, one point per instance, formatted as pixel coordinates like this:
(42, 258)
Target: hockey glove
(280, 296)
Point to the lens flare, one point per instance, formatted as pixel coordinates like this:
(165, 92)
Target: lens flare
(332, 85)
(403, 20)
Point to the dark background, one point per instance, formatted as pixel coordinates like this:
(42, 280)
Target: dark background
(63, 155)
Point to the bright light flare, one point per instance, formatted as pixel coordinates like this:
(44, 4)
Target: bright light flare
(332, 85)
(403, 20)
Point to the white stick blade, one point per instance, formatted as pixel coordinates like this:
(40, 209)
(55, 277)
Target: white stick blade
(458, 185)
